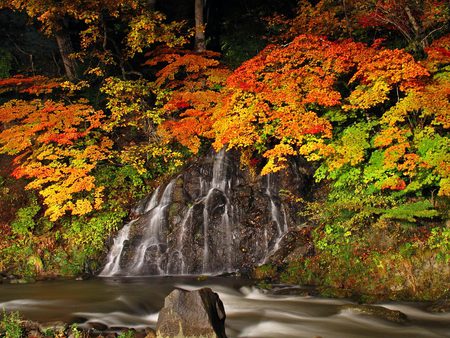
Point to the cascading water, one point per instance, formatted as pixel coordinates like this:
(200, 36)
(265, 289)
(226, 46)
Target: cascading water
(112, 266)
(275, 212)
(209, 220)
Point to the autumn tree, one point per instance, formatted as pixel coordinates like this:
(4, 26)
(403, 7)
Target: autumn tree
(96, 38)
(366, 113)
(56, 146)
(418, 21)
(191, 83)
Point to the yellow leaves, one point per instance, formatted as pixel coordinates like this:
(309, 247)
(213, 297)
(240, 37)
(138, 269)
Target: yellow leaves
(141, 157)
(365, 97)
(444, 186)
(57, 149)
(151, 28)
(277, 158)
(350, 148)
(130, 104)
(379, 74)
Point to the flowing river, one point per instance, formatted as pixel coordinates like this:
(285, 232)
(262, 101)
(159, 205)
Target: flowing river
(135, 302)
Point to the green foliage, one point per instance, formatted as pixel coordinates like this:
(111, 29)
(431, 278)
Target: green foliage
(10, 325)
(411, 211)
(90, 232)
(75, 331)
(265, 272)
(126, 334)
(5, 63)
(25, 219)
(440, 241)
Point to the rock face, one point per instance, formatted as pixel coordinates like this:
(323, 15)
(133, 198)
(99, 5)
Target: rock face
(214, 218)
(192, 314)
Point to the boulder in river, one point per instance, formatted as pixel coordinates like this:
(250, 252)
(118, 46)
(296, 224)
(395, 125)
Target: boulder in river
(192, 314)
(377, 311)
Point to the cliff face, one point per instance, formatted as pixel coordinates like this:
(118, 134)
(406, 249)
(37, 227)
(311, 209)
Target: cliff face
(215, 217)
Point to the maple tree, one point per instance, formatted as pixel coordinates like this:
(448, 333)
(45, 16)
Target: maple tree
(191, 83)
(276, 100)
(347, 104)
(417, 21)
(56, 146)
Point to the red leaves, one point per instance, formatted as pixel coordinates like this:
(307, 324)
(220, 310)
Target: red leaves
(56, 148)
(394, 183)
(35, 85)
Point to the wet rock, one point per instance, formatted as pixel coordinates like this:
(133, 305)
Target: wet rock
(289, 290)
(377, 311)
(192, 314)
(52, 328)
(219, 218)
(98, 326)
(30, 329)
(440, 306)
(150, 333)
(292, 241)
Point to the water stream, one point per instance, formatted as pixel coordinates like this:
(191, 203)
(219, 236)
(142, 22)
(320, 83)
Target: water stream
(135, 302)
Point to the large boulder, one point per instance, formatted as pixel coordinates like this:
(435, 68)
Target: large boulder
(192, 314)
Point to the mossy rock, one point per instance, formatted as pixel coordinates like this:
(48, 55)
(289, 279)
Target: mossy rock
(440, 306)
(377, 311)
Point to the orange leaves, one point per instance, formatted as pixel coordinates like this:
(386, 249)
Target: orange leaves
(191, 66)
(44, 122)
(193, 82)
(56, 147)
(35, 85)
(393, 183)
(390, 111)
(303, 72)
(276, 99)
(379, 73)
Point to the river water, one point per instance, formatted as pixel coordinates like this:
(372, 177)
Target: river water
(135, 302)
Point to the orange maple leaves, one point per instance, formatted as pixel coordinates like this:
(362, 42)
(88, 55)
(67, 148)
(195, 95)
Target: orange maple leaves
(57, 148)
(194, 83)
(287, 100)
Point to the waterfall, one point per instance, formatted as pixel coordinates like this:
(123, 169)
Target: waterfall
(275, 214)
(210, 220)
(112, 266)
(152, 238)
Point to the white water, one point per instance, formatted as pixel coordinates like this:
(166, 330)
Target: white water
(155, 247)
(112, 266)
(281, 222)
(152, 232)
(250, 312)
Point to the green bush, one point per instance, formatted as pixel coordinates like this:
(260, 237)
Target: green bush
(10, 325)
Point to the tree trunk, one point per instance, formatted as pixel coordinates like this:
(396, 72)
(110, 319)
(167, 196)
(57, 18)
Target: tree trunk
(200, 45)
(152, 4)
(65, 49)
